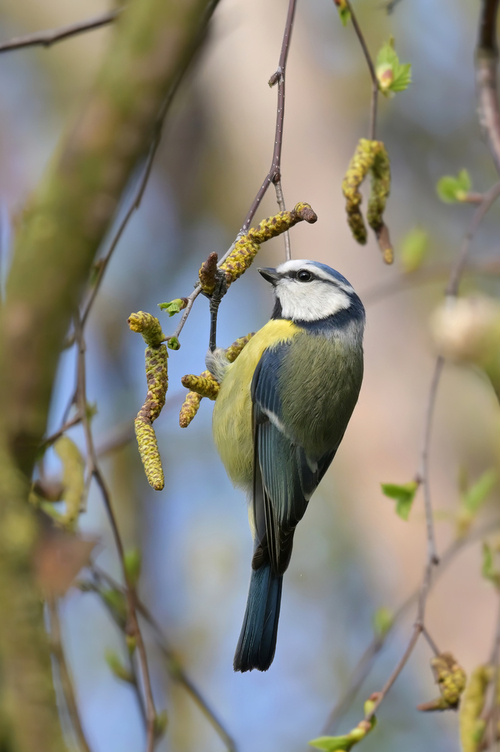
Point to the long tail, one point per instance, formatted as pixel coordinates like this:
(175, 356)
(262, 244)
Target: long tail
(257, 641)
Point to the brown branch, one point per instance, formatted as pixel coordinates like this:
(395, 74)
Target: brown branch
(175, 669)
(49, 37)
(365, 663)
(274, 174)
(65, 676)
(486, 77)
(371, 68)
(133, 628)
(423, 276)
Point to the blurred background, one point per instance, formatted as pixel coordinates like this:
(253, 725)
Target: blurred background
(352, 553)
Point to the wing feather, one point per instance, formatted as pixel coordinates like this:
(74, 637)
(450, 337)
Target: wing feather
(284, 476)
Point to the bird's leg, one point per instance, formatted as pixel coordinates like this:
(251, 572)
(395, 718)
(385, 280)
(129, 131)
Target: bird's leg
(215, 300)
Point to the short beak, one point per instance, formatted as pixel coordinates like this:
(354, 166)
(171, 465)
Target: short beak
(270, 275)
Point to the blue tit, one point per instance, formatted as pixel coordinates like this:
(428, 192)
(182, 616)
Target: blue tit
(280, 415)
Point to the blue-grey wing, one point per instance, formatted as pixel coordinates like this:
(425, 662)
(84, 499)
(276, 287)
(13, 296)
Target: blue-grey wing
(284, 476)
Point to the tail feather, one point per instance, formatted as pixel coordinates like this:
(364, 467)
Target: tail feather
(257, 641)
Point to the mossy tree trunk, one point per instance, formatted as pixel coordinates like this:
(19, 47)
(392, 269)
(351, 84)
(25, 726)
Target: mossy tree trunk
(61, 231)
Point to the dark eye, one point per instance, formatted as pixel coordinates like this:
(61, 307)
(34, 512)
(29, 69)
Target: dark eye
(303, 275)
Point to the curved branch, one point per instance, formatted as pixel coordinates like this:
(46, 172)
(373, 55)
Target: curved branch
(486, 77)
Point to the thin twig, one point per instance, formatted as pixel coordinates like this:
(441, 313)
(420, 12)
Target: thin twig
(64, 675)
(65, 427)
(425, 275)
(423, 472)
(281, 204)
(486, 77)
(365, 663)
(489, 199)
(133, 627)
(49, 37)
(175, 669)
(274, 174)
(371, 68)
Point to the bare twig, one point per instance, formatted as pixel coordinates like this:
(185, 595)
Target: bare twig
(133, 627)
(422, 476)
(371, 68)
(486, 77)
(274, 174)
(365, 663)
(489, 199)
(175, 669)
(49, 37)
(64, 675)
(423, 276)
(65, 427)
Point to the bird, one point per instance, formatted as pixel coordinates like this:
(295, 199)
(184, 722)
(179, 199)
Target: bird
(281, 412)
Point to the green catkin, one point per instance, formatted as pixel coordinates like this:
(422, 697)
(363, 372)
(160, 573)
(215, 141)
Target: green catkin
(156, 358)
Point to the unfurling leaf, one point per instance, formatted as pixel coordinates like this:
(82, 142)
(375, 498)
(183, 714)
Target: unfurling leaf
(488, 570)
(382, 621)
(346, 742)
(119, 670)
(344, 12)
(174, 306)
(414, 249)
(392, 76)
(472, 499)
(132, 561)
(451, 189)
(403, 495)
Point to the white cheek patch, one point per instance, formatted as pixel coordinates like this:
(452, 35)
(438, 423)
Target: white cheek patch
(310, 301)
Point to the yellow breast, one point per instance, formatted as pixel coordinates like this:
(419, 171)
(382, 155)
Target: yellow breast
(232, 417)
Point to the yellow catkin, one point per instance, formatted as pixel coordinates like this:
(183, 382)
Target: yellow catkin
(471, 706)
(451, 679)
(234, 350)
(369, 157)
(205, 384)
(156, 357)
(247, 246)
(147, 325)
(150, 455)
(189, 408)
(73, 479)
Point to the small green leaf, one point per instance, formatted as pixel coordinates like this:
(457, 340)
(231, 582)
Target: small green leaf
(132, 561)
(414, 249)
(117, 667)
(382, 621)
(451, 189)
(174, 306)
(392, 76)
(479, 491)
(344, 15)
(333, 743)
(173, 343)
(403, 495)
(488, 569)
(117, 604)
(161, 723)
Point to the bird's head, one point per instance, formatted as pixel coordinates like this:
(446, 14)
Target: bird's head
(307, 291)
